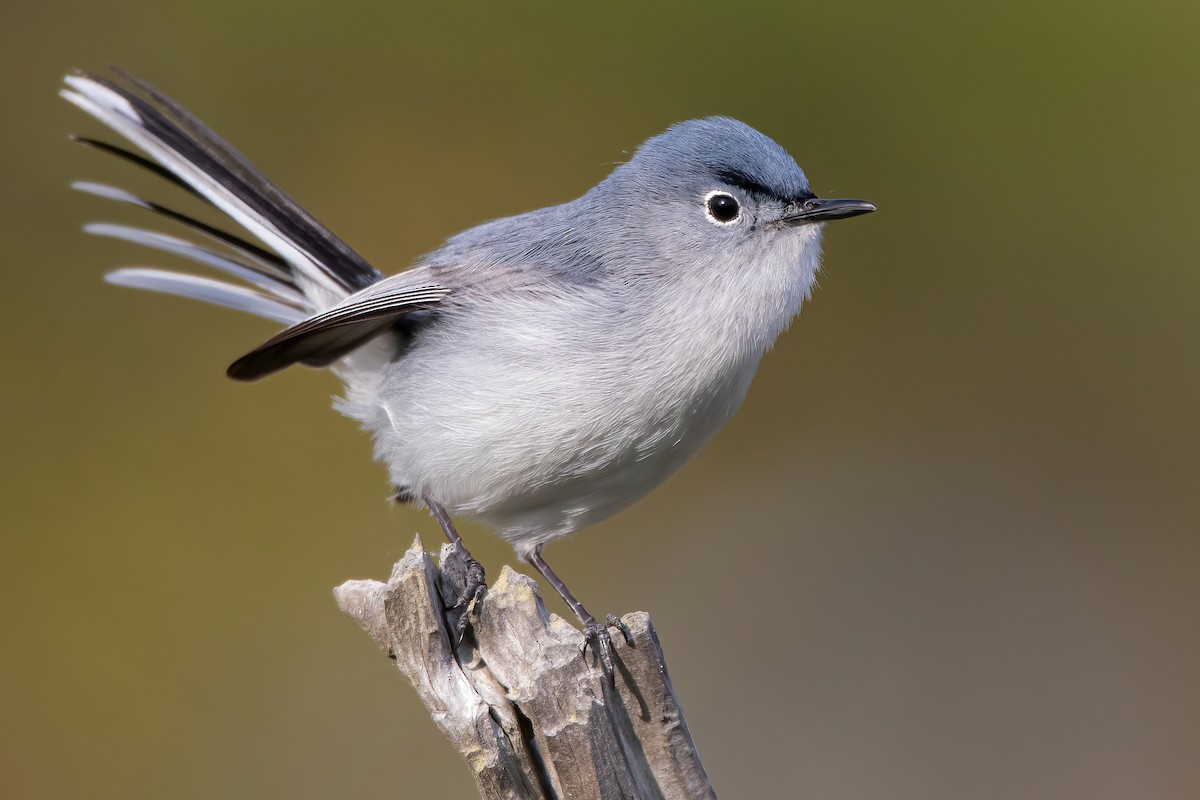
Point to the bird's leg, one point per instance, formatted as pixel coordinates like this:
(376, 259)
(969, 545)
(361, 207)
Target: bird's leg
(595, 634)
(474, 585)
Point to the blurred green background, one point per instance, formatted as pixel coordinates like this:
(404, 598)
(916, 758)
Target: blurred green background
(949, 548)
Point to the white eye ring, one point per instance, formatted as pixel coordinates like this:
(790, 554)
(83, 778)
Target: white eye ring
(717, 205)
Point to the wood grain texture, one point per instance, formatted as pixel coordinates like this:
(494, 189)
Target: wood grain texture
(532, 717)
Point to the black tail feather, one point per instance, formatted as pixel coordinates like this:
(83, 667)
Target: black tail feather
(179, 130)
(142, 162)
(280, 269)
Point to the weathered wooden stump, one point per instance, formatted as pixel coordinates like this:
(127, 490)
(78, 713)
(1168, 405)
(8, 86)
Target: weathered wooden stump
(532, 717)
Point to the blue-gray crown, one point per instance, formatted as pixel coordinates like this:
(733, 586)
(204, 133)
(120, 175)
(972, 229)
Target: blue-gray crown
(728, 150)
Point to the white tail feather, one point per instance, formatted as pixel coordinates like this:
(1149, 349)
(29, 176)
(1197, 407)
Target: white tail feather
(206, 289)
(182, 247)
(117, 113)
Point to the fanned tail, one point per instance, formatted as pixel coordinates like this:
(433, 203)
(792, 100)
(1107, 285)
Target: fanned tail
(303, 268)
(333, 302)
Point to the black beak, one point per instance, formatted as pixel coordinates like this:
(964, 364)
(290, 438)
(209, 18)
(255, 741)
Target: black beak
(816, 209)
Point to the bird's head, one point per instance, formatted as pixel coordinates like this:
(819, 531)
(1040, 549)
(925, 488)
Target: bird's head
(719, 187)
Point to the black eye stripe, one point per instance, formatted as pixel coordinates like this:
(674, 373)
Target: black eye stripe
(747, 184)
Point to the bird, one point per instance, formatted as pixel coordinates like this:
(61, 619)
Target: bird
(537, 373)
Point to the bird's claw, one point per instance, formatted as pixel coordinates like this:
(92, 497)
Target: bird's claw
(597, 637)
(474, 588)
(616, 622)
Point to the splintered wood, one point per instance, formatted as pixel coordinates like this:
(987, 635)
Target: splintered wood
(532, 717)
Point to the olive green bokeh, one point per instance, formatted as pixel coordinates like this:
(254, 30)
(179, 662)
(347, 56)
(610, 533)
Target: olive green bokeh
(949, 548)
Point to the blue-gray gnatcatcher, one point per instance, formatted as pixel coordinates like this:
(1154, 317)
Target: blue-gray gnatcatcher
(537, 373)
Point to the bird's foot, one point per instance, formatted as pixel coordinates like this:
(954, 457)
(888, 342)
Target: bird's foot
(460, 559)
(597, 637)
(595, 634)
(469, 598)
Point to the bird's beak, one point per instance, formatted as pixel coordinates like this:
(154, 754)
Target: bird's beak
(817, 209)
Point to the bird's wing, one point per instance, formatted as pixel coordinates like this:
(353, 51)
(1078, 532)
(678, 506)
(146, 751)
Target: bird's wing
(330, 335)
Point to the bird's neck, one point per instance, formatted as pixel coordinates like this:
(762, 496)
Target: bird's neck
(733, 309)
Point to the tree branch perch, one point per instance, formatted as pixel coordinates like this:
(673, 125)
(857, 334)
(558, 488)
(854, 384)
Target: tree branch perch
(532, 718)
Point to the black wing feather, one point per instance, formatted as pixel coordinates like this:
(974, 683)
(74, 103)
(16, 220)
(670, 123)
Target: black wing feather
(326, 337)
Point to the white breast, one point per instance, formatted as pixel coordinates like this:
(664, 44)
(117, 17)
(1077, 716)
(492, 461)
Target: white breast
(541, 414)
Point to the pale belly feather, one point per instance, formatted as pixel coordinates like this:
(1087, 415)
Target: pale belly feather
(500, 418)
(514, 428)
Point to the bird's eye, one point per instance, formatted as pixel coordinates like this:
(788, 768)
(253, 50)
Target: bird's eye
(722, 208)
